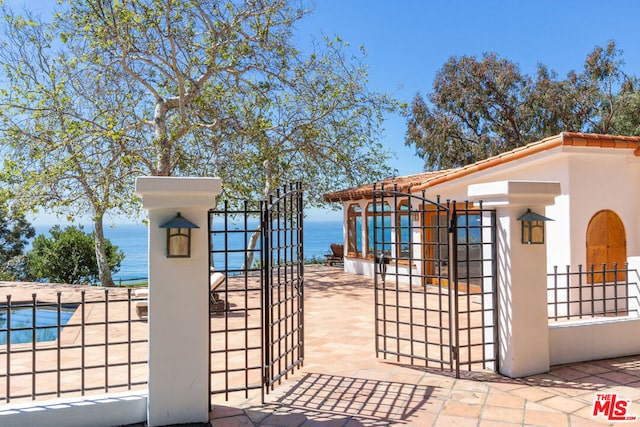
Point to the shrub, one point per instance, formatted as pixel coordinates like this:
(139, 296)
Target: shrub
(68, 256)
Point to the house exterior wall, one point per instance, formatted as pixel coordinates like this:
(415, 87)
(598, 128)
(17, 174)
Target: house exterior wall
(591, 179)
(608, 180)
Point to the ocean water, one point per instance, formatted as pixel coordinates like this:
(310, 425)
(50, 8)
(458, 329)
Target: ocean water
(132, 240)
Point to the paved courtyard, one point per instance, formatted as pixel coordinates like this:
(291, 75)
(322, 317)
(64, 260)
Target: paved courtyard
(342, 383)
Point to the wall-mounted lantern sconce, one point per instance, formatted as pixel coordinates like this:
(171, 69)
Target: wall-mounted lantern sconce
(533, 228)
(179, 237)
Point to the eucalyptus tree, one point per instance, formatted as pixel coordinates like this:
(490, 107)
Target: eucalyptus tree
(481, 107)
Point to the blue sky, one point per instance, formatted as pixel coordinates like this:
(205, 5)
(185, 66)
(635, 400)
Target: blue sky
(409, 40)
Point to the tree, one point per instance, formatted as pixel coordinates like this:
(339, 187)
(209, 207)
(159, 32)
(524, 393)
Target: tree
(64, 121)
(228, 94)
(173, 87)
(482, 107)
(68, 256)
(478, 108)
(601, 93)
(15, 232)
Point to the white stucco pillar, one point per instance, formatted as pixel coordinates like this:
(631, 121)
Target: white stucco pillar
(178, 301)
(522, 275)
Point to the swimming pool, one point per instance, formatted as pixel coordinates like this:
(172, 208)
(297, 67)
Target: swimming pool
(21, 323)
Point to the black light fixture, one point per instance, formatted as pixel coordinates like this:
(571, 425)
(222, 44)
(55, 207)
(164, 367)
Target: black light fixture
(382, 262)
(533, 228)
(179, 237)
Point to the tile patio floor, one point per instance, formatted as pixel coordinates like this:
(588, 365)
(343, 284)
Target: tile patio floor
(343, 384)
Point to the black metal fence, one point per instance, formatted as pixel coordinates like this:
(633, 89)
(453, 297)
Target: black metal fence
(592, 293)
(71, 344)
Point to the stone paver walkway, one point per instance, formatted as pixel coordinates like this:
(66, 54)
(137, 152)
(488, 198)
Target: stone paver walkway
(343, 384)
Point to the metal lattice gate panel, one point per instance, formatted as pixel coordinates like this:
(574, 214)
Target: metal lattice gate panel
(236, 302)
(256, 271)
(434, 280)
(473, 230)
(283, 259)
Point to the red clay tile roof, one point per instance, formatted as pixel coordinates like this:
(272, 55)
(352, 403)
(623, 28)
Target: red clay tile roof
(365, 191)
(425, 180)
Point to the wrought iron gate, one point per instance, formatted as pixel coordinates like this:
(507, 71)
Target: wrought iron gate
(435, 281)
(257, 285)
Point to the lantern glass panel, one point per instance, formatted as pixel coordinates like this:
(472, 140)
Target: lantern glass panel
(537, 232)
(179, 242)
(533, 232)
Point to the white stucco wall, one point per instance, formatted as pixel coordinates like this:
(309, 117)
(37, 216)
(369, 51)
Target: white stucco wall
(591, 179)
(571, 342)
(607, 180)
(113, 409)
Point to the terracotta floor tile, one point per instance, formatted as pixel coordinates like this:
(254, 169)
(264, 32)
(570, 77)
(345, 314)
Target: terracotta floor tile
(563, 404)
(505, 400)
(590, 368)
(460, 409)
(589, 422)
(218, 411)
(532, 393)
(544, 418)
(493, 423)
(237, 421)
(445, 420)
(619, 377)
(471, 397)
(568, 373)
(467, 385)
(499, 413)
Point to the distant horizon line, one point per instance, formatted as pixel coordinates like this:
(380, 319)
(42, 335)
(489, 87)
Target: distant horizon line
(112, 225)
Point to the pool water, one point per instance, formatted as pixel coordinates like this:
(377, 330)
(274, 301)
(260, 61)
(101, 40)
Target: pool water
(21, 318)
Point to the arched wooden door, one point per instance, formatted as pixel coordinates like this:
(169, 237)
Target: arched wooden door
(606, 243)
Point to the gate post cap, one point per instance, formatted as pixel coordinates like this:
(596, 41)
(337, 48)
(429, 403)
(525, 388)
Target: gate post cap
(176, 192)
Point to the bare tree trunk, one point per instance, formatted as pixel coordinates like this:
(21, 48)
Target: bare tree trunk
(104, 271)
(254, 237)
(163, 167)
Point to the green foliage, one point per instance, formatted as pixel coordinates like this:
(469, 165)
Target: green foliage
(15, 232)
(62, 122)
(481, 107)
(224, 92)
(315, 260)
(69, 256)
(111, 90)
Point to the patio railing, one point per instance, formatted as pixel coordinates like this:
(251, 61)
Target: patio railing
(592, 293)
(72, 344)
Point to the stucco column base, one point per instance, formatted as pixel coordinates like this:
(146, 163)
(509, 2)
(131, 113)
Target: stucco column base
(178, 301)
(523, 328)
